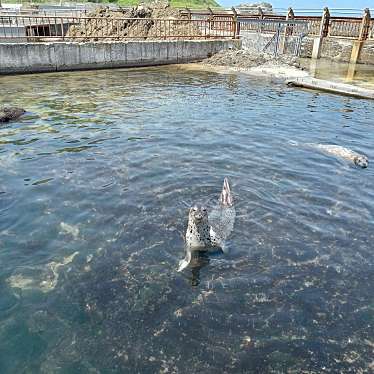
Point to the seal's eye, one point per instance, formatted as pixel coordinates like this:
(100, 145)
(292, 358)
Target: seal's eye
(203, 209)
(195, 209)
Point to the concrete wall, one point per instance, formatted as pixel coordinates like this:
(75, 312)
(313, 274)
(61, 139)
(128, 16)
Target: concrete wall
(339, 50)
(62, 56)
(367, 53)
(332, 48)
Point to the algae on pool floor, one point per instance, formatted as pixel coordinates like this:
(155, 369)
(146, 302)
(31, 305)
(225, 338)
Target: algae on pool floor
(104, 229)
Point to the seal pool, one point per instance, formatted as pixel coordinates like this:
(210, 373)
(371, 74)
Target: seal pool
(95, 181)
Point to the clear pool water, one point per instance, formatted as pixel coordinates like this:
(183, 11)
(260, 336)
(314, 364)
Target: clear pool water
(359, 75)
(94, 186)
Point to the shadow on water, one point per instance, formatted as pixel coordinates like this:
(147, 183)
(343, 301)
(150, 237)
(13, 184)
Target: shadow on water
(199, 260)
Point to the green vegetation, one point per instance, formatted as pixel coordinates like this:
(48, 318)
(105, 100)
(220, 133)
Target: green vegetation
(193, 4)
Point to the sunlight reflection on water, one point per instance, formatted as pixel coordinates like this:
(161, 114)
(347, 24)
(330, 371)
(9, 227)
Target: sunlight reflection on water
(94, 183)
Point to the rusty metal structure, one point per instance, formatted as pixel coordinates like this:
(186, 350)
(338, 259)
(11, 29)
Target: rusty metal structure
(46, 28)
(197, 24)
(332, 26)
(274, 37)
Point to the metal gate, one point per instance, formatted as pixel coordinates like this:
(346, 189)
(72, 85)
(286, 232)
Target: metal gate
(274, 37)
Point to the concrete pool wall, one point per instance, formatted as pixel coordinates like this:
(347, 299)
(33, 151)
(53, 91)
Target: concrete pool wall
(63, 56)
(339, 49)
(333, 48)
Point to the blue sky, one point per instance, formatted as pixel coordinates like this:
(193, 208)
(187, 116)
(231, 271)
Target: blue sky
(356, 4)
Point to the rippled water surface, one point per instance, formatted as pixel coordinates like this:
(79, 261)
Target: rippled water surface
(95, 184)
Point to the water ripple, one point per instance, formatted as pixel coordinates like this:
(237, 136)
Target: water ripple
(95, 185)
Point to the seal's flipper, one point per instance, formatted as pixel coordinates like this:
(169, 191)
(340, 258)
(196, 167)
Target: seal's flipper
(224, 248)
(185, 262)
(226, 198)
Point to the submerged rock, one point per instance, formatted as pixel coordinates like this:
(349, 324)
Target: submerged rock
(10, 113)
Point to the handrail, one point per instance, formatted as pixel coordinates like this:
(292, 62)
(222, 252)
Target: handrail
(44, 28)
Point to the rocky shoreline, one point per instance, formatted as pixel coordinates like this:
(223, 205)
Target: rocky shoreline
(10, 113)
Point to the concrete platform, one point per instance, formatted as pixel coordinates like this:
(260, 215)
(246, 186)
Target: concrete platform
(328, 86)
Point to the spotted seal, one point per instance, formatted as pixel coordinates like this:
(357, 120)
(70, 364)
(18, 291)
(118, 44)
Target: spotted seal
(345, 153)
(10, 113)
(338, 151)
(203, 232)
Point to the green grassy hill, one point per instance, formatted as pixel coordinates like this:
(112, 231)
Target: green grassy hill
(193, 4)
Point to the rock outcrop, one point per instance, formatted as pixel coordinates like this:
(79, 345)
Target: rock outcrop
(146, 21)
(10, 113)
(253, 7)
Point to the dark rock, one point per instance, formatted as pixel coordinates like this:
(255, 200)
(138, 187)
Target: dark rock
(10, 113)
(253, 7)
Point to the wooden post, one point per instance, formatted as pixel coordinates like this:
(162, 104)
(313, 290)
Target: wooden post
(260, 13)
(365, 25)
(325, 23)
(357, 44)
(287, 30)
(234, 12)
(236, 25)
(210, 19)
(189, 15)
(323, 32)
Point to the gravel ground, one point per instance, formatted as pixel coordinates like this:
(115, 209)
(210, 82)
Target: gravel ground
(245, 59)
(109, 24)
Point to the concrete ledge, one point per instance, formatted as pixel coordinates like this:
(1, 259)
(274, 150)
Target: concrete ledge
(62, 56)
(336, 88)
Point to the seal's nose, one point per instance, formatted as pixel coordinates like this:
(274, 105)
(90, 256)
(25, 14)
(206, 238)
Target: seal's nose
(198, 217)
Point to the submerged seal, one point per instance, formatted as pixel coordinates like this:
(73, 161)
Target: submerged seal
(204, 233)
(10, 113)
(338, 151)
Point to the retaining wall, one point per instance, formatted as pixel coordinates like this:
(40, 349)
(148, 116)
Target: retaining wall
(339, 50)
(63, 56)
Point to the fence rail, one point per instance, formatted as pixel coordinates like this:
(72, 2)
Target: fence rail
(343, 28)
(272, 25)
(44, 28)
(192, 25)
(344, 23)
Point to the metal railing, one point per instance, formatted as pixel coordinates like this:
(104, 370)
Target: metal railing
(345, 28)
(273, 25)
(343, 23)
(274, 37)
(44, 28)
(192, 25)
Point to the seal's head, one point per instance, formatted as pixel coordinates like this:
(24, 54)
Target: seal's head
(198, 215)
(361, 161)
